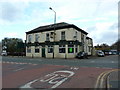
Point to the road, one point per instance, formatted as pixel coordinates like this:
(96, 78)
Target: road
(26, 72)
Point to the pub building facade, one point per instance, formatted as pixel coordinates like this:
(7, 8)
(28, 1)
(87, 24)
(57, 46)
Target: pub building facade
(60, 40)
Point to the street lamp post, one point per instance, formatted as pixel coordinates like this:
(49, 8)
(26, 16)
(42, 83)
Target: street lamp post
(54, 31)
(55, 14)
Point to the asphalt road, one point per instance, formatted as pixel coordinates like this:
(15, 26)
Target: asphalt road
(102, 62)
(23, 72)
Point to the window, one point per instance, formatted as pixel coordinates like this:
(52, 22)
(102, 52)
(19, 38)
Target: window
(70, 48)
(50, 49)
(37, 50)
(82, 38)
(36, 37)
(75, 37)
(29, 38)
(63, 35)
(61, 48)
(89, 48)
(76, 48)
(47, 37)
(28, 49)
(51, 34)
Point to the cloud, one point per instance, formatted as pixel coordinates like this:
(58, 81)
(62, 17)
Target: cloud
(96, 17)
(11, 11)
(113, 26)
(104, 32)
(11, 34)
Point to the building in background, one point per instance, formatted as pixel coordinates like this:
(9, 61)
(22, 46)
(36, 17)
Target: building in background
(89, 47)
(60, 40)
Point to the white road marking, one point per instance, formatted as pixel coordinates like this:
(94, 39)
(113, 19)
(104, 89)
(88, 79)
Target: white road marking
(74, 68)
(19, 69)
(56, 78)
(18, 63)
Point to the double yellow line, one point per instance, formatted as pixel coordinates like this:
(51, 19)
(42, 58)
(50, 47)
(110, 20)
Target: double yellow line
(102, 77)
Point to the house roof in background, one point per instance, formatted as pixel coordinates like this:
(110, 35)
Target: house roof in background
(56, 26)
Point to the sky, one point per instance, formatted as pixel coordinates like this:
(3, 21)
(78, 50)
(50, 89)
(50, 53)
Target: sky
(97, 17)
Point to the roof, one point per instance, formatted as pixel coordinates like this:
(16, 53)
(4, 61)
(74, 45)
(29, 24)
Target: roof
(88, 38)
(56, 26)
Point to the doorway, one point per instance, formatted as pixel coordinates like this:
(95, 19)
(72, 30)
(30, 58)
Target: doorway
(43, 52)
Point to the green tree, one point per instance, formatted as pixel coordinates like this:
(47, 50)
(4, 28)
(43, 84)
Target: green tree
(13, 45)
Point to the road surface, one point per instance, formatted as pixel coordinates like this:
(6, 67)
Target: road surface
(22, 72)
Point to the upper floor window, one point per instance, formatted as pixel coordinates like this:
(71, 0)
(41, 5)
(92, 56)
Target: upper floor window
(47, 37)
(29, 38)
(75, 37)
(83, 38)
(36, 37)
(63, 35)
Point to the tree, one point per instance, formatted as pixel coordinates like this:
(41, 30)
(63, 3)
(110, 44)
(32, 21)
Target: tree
(13, 45)
(103, 46)
(116, 45)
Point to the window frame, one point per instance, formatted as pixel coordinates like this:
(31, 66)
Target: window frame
(28, 49)
(37, 48)
(63, 35)
(76, 48)
(29, 38)
(72, 47)
(50, 48)
(36, 37)
(62, 49)
(47, 37)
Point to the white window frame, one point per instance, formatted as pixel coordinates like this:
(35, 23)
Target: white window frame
(28, 49)
(63, 35)
(50, 48)
(29, 38)
(69, 46)
(37, 48)
(36, 37)
(47, 37)
(62, 49)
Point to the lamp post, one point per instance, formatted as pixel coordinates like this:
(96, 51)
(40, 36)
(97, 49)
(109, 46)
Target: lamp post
(54, 16)
(54, 31)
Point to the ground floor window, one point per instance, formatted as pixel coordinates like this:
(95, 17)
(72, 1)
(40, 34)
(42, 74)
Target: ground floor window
(76, 48)
(37, 50)
(61, 48)
(50, 49)
(28, 49)
(89, 48)
(70, 48)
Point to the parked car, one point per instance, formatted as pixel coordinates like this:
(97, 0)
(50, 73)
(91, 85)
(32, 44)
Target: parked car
(4, 54)
(82, 55)
(100, 54)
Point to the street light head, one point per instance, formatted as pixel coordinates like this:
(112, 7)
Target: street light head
(50, 8)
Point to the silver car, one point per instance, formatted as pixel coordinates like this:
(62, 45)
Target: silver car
(101, 54)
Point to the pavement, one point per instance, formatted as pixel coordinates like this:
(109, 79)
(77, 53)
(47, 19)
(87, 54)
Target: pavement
(113, 80)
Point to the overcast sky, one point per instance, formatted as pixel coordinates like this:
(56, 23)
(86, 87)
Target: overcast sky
(97, 17)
